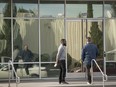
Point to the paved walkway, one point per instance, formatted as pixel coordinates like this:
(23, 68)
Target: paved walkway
(51, 83)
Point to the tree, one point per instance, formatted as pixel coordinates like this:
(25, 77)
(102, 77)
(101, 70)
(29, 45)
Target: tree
(89, 10)
(114, 8)
(95, 32)
(97, 37)
(7, 28)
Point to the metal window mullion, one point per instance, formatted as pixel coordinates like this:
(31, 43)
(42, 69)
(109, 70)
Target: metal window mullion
(104, 37)
(65, 32)
(12, 32)
(39, 39)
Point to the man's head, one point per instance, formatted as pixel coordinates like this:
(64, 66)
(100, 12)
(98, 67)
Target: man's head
(89, 39)
(26, 47)
(63, 42)
(16, 47)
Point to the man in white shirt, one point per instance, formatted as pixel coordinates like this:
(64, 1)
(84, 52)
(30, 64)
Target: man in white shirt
(60, 60)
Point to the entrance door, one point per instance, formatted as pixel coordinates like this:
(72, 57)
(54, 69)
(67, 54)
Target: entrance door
(77, 31)
(110, 47)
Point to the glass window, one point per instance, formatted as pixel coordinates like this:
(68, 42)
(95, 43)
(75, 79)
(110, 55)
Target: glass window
(5, 8)
(29, 70)
(52, 10)
(25, 8)
(110, 9)
(48, 70)
(74, 45)
(84, 10)
(26, 32)
(52, 30)
(110, 26)
(5, 40)
(111, 68)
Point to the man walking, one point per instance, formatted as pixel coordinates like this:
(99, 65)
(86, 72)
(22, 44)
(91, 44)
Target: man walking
(60, 60)
(27, 56)
(89, 52)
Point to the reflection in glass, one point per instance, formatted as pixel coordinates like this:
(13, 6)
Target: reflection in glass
(95, 31)
(5, 39)
(52, 30)
(110, 26)
(5, 9)
(52, 10)
(74, 45)
(85, 10)
(33, 70)
(50, 69)
(111, 68)
(26, 10)
(26, 31)
(4, 71)
(110, 9)
(110, 35)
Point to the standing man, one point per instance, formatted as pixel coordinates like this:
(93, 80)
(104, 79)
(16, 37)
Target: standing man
(89, 52)
(60, 60)
(27, 56)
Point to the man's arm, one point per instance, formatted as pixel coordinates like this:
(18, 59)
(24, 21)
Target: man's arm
(96, 51)
(59, 53)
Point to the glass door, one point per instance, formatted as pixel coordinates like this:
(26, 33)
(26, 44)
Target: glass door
(110, 47)
(77, 31)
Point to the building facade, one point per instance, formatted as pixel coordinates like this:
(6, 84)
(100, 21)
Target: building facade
(42, 23)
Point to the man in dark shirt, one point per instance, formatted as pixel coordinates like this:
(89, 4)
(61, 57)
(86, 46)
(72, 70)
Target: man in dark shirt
(27, 56)
(89, 52)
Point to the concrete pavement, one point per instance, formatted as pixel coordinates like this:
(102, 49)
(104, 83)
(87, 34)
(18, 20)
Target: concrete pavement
(54, 83)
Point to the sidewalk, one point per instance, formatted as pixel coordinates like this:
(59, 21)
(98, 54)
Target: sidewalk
(54, 83)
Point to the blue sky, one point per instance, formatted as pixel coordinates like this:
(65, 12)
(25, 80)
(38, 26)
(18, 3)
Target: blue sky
(73, 10)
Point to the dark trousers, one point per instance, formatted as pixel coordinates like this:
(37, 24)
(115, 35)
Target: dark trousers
(15, 67)
(62, 67)
(88, 67)
(27, 68)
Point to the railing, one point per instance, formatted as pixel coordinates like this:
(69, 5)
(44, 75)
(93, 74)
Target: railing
(10, 64)
(104, 76)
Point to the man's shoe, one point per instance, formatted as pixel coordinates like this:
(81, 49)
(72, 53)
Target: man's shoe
(59, 82)
(88, 83)
(65, 82)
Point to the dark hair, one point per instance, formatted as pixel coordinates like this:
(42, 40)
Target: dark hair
(16, 47)
(62, 40)
(89, 39)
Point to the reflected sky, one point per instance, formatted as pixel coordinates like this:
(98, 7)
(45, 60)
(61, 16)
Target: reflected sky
(72, 10)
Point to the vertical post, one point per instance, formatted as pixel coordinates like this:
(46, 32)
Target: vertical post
(103, 80)
(9, 74)
(92, 71)
(16, 82)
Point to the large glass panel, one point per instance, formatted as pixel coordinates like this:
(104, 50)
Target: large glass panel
(110, 36)
(26, 32)
(5, 40)
(52, 30)
(84, 10)
(74, 45)
(4, 71)
(52, 10)
(5, 46)
(95, 31)
(111, 68)
(33, 70)
(5, 8)
(25, 8)
(48, 70)
(110, 9)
